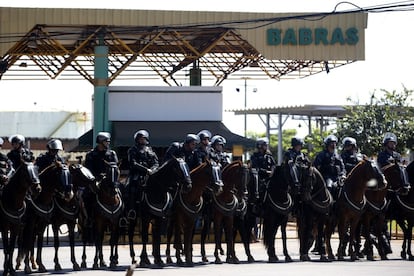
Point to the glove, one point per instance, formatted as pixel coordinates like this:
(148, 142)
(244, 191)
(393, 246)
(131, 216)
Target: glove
(149, 171)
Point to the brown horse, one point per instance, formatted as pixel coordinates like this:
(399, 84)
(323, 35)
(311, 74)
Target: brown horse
(312, 206)
(402, 210)
(155, 205)
(350, 206)
(55, 182)
(222, 212)
(187, 207)
(13, 208)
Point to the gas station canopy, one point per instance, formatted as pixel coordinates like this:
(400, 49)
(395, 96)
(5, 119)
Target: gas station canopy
(41, 43)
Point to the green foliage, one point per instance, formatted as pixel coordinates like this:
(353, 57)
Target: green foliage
(385, 112)
(314, 143)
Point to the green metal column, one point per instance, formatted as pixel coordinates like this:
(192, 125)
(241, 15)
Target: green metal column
(100, 96)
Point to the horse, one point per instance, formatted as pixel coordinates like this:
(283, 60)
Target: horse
(55, 182)
(402, 210)
(277, 204)
(312, 207)
(187, 207)
(222, 211)
(107, 206)
(155, 203)
(350, 205)
(245, 215)
(67, 212)
(13, 208)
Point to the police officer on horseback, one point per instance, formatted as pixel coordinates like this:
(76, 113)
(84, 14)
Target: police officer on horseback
(330, 164)
(350, 155)
(5, 166)
(19, 152)
(142, 162)
(52, 155)
(217, 153)
(263, 161)
(95, 161)
(204, 146)
(293, 158)
(185, 150)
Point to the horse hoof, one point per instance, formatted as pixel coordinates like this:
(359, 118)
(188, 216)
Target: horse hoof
(288, 259)
(274, 259)
(354, 257)
(324, 258)
(331, 257)
(384, 258)
(221, 251)
(411, 258)
(76, 267)
(58, 267)
(305, 258)
(159, 263)
(403, 255)
(169, 260)
(204, 259)
(27, 270)
(102, 264)
(112, 265)
(250, 259)
(83, 265)
(218, 261)
(95, 267)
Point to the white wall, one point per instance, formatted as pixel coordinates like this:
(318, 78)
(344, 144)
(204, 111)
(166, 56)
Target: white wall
(161, 103)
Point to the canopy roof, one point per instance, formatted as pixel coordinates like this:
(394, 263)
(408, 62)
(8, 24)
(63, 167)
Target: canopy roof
(38, 43)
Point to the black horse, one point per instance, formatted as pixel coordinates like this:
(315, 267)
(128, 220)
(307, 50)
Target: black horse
(402, 210)
(13, 208)
(154, 205)
(312, 208)
(55, 182)
(277, 204)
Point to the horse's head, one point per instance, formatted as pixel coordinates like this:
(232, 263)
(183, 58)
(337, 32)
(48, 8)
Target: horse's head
(28, 175)
(182, 172)
(397, 178)
(215, 177)
(310, 181)
(253, 185)
(81, 176)
(110, 178)
(58, 177)
(237, 174)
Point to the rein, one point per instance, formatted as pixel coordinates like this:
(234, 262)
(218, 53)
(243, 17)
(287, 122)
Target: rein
(403, 204)
(353, 205)
(156, 210)
(287, 205)
(65, 211)
(41, 211)
(224, 209)
(107, 210)
(192, 210)
(375, 208)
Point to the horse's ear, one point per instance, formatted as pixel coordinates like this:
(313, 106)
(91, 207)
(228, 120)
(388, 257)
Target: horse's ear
(365, 157)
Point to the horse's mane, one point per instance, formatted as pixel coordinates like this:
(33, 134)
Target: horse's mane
(232, 165)
(357, 166)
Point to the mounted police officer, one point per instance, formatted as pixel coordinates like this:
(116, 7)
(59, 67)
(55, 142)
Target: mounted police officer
(350, 155)
(19, 152)
(263, 161)
(185, 150)
(293, 158)
(217, 153)
(386, 157)
(52, 155)
(95, 161)
(142, 162)
(204, 146)
(330, 164)
(5, 166)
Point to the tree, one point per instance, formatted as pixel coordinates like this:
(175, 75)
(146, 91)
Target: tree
(385, 112)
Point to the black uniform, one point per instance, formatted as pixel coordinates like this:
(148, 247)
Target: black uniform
(177, 149)
(202, 153)
(16, 156)
(292, 158)
(95, 161)
(332, 168)
(265, 164)
(386, 157)
(5, 167)
(350, 159)
(219, 157)
(46, 159)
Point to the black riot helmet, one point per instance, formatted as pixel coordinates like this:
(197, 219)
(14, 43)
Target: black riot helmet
(349, 141)
(204, 134)
(54, 144)
(103, 137)
(296, 141)
(261, 142)
(218, 139)
(191, 137)
(141, 133)
(329, 139)
(18, 139)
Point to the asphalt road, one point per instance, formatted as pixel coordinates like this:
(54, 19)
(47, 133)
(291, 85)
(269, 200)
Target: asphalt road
(391, 267)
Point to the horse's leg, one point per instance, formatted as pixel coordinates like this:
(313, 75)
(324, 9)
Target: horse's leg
(56, 244)
(71, 229)
(269, 232)
(39, 260)
(170, 229)
(131, 232)
(341, 234)
(366, 229)
(203, 236)
(321, 221)
(12, 241)
(409, 238)
(284, 240)
(156, 241)
(189, 224)
(101, 234)
(217, 237)
(144, 261)
(6, 251)
(231, 252)
(352, 233)
(114, 245)
(178, 244)
(378, 228)
(245, 229)
(305, 233)
(329, 229)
